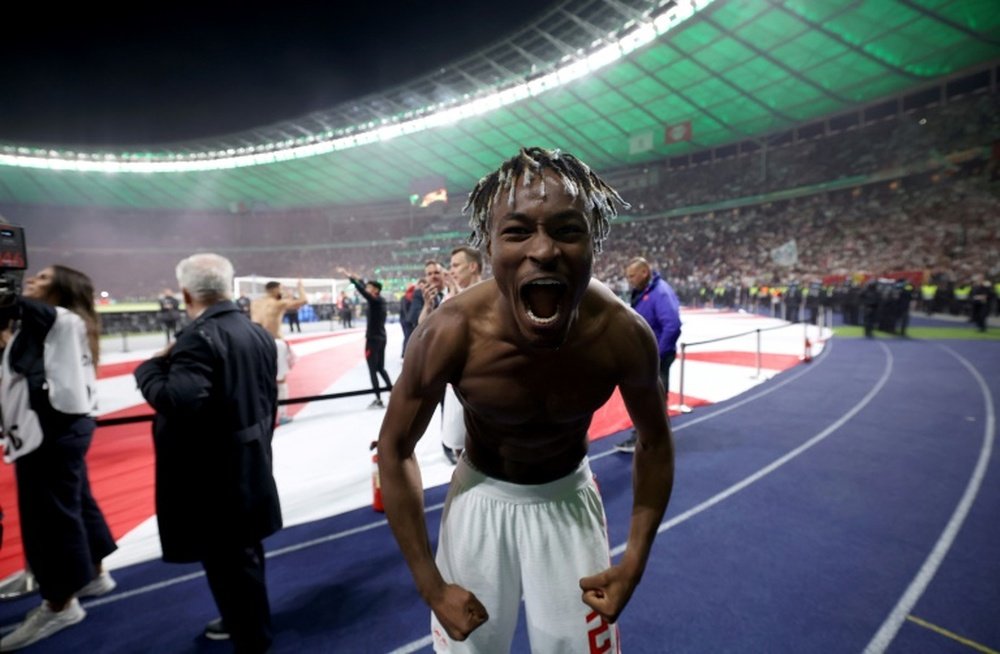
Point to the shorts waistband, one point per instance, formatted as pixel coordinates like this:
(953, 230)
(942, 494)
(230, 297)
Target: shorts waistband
(468, 477)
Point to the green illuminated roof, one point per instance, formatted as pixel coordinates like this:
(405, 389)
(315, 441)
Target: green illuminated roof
(737, 69)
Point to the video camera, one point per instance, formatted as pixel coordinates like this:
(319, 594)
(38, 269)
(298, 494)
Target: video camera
(13, 263)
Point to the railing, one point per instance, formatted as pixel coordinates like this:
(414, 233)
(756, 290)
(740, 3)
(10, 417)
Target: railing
(23, 583)
(127, 420)
(682, 406)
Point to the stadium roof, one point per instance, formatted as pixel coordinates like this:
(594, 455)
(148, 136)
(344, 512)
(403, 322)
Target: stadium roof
(616, 82)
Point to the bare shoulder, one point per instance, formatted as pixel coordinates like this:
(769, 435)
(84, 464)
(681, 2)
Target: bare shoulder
(609, 313)
(619, 328)
(440, 343)
(261, 303)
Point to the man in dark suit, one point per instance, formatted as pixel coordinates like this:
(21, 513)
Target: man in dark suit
(214, 393)
(169, 310)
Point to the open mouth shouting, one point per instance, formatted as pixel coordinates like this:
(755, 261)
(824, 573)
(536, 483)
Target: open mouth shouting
(542, 299)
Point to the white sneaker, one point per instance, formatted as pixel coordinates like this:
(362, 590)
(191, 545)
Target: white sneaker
(102, 584)
(42, 623)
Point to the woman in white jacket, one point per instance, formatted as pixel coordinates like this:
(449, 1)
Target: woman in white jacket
(48, 397)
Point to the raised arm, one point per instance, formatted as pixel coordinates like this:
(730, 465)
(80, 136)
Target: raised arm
(652, 474)
(430, 296)
(356, 283)
(434, 353)
(289, 303)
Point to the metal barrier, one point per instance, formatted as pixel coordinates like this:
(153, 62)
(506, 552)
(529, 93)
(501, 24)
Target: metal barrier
(681, 405)
(113, 422)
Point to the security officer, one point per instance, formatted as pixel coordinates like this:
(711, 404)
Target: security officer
(927, 293)
(980, 296)
(960, 299)
(813, 293)
(793, 300)
(869, 299)
(904, 298)
(888, 305)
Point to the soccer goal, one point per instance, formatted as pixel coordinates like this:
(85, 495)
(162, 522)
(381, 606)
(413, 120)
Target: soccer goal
(319, 290)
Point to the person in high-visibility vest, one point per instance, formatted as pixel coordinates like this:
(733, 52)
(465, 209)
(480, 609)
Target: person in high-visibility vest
(960, 300)
(927, 293)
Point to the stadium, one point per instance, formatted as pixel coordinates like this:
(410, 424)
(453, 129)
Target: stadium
(803, 174)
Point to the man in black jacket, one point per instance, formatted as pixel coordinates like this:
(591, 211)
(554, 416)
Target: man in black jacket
(214, 393)
(169, 310)
(375, 337)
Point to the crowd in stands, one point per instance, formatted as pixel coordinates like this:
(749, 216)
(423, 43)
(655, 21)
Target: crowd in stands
(926, 222)
(916, 191)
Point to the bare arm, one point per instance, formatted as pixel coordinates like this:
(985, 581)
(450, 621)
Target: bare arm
(652, 475)
(300, 301)
(434, 352)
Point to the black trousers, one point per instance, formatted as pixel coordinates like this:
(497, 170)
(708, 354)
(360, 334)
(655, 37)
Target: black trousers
(980, 311)
(375, 356)
(665, 361)
(170, 328)
(64, 533)
(871, 319)
(407, 330)
(235, 576)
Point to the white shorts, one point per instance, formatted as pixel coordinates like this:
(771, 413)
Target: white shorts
(452, 421)
(286, 358)
(502, 541)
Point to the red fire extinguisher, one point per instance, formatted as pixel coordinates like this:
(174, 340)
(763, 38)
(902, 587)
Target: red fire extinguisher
(376, 483)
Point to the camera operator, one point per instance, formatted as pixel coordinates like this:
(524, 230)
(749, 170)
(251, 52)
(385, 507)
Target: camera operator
(48, 399)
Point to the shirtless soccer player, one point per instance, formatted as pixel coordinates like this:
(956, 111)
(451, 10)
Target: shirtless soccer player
(532, 354)
(267, 311)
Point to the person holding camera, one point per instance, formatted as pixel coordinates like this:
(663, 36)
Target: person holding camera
(48, 393)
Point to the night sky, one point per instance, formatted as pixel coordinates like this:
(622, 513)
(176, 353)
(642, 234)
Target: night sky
(96, 76)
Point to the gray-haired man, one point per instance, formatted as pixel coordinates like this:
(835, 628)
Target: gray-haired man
(215, 396)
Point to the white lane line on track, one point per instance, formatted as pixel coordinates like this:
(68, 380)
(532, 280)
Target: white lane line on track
(887, 632)
(777, 463)
(735, 405)
(426, 641)
(288, 549)
(416, 645)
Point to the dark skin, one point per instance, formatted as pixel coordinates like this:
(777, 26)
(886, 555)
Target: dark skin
(532, 354)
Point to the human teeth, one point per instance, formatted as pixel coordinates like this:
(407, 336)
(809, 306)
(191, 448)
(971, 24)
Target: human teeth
(547, 282)
(543, 321)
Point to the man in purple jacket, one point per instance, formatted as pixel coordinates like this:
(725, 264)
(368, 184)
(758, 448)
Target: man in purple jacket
(654, 300)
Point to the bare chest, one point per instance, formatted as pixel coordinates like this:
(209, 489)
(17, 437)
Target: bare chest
(517, 390)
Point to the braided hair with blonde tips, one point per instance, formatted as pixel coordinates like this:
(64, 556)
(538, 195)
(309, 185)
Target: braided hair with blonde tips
(600, 201)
